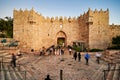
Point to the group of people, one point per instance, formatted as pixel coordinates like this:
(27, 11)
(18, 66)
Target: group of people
(59, 51)
(98, 56)
(55, 51)
(77, 55)
(86, 56)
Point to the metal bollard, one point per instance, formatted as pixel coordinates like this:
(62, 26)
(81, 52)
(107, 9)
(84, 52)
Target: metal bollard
(61, 73)
(104, 75)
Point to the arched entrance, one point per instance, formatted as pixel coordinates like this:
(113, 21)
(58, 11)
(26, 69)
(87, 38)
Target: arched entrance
(61, 41)
(61, 38)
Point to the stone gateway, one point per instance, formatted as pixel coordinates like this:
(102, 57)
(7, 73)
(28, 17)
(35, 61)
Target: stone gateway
(91, 29)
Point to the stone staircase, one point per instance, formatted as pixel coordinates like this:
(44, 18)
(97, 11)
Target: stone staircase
(113, 60)
(116, 72)
(7, 72)
(112, 57)
(98, 75)
(4, 56)
(112, 73)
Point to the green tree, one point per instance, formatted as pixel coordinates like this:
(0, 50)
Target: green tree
(116, 40)
(6, 27)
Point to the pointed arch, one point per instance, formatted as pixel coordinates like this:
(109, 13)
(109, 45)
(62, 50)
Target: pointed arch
(61, 38)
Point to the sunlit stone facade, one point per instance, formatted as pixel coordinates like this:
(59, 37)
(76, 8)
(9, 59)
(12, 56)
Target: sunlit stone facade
(35, 31)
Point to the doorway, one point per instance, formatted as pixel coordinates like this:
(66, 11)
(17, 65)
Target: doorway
(61, 38)
(60, 41)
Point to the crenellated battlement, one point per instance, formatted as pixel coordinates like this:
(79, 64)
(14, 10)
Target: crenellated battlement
(32, 14)
(98, 11)
(115, 26)
(26, 10)
(91, 12)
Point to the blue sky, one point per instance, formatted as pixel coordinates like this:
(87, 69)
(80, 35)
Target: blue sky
(58, 8)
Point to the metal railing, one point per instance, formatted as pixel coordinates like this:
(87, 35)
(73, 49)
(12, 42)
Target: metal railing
(109, 69)
(2, 64)
(23, 73)
(106, 72)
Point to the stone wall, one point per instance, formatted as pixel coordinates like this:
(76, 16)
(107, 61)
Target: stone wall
(114, 30)
(35, 31)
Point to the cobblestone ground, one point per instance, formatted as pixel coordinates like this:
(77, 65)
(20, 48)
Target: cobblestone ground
(40, 66)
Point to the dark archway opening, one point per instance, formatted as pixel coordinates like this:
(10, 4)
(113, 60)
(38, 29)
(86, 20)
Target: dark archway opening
(60, 41)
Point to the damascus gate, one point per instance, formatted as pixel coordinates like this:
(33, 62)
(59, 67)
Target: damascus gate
(91, 29)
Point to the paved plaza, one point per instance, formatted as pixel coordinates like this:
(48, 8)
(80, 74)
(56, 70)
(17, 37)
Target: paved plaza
(59, 67)
(40, 66)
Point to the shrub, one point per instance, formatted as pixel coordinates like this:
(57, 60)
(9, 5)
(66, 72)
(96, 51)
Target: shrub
(70, 46)
(116, 40)
(77, 48)
(114, 47)
(115, 43)
(95, 50)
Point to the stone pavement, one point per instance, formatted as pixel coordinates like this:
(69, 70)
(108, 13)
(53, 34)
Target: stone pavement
(40, 66)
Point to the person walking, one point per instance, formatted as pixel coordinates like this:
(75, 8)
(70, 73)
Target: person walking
(79, 56)
(13, 61)
(40, 52)
(98, 55)
(70, 51)
(87, 56)
(75, 55)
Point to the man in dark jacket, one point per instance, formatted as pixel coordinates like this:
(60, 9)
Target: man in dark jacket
(13, 61)
(75, 55)
(79, 56)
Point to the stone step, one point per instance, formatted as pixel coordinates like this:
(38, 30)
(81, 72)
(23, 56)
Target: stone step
(8, 76)
(7, 56)
(19, 73)
(110, 73)
(116, 73)
(107, 60)
(116, 55)
(3, 54)
(13, 74)
(29, 75)
(2, 77)
(2, 51)
(21, 59)
(95, 75)
(100, 74)
(35, 61)
(5, 59)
